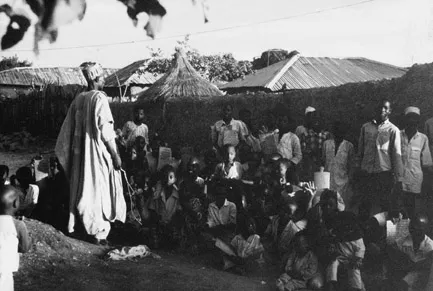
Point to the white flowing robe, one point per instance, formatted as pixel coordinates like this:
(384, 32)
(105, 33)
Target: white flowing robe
(339, 165)
(96, 192)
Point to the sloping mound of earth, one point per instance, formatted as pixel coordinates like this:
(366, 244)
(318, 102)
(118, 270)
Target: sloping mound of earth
(58, 262)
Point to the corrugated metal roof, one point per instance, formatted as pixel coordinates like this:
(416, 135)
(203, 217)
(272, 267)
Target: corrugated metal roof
(134, 73)
(309, 72)
(28, 76)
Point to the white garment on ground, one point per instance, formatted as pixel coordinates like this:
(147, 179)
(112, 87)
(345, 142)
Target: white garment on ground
(96, 192)
(339, 165)
(140, 251)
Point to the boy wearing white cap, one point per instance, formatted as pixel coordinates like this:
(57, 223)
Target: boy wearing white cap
(415, 156)
(312, 140)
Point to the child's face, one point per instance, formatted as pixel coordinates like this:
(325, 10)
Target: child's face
(193, 169)
(282, 170)
(329, 207)
(142, 144)
(171, 178)
(133, 154)
(219, 200)
(139, 115)
(417, 231)
(231, 154)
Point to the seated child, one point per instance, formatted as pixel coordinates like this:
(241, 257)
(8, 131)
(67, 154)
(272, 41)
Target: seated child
(291, 220)
(4, 175)
(193, 200)
(14, 237)
(229, 169)
(137, 161)
(152, 156)
(246, 245)
(29, 192)
(165, 206)
(410, 258)
(221, 222)
(302, 268)
(344, 238)
(210, 162)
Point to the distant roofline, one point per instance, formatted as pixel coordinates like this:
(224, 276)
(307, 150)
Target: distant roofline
(291, 61)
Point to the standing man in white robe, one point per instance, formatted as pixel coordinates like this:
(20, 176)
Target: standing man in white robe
(87, 151)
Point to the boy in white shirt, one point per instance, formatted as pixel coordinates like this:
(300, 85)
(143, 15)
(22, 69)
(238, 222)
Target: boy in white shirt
(14, 237)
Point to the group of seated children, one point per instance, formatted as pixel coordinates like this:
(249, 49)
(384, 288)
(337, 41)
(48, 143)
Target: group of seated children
(218, 208)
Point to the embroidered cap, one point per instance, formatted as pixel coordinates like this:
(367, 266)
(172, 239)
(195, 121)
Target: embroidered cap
(92, 70)
(412, 109)
(309, 109)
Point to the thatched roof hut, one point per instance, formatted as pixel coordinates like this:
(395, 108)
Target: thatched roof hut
(181, 80)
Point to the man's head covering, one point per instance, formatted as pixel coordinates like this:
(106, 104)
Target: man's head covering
(309, 109)
(92, 70)
(412, 109)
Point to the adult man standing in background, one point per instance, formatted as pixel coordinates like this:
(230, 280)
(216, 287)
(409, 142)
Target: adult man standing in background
(379, 150)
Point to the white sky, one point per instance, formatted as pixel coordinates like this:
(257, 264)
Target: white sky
(399, 32)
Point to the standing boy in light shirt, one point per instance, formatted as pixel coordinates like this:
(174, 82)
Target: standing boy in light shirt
(14, 237)
(228, 130)
(289, 146)
(379, 150)
(416, 157)
(135, 128)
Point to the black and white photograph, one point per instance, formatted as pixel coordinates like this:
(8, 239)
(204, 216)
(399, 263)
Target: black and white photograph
(216, 145)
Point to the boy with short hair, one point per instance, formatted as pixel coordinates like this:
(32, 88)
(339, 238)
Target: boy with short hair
(410, 258)
(228, 130)
(135, 128)
(14, 237)
(221, 222)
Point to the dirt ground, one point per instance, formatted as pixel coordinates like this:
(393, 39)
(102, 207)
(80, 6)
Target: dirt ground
(58, 262)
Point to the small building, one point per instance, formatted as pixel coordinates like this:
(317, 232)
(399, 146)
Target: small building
(23, 80)
(181, 83)
(130, 80)
(299, 72)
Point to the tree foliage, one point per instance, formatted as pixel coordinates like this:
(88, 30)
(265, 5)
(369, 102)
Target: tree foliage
(271, 57)
(215, 68)
(7, 63)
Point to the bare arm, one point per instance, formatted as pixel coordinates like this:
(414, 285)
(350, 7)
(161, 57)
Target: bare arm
(112, 149)
(297, 153)
(24, 242)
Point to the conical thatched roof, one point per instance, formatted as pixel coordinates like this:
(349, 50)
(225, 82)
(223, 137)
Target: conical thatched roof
(181, 80)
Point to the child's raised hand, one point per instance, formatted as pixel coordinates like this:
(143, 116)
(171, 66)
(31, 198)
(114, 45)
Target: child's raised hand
(310, 187)
(200, 181)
